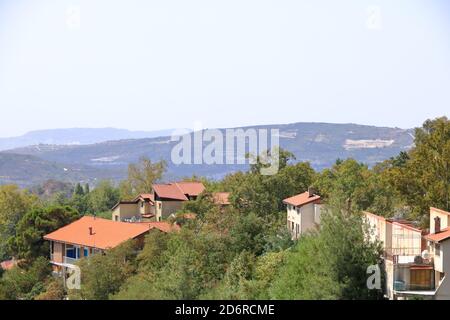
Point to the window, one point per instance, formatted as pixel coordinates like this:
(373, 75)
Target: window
(86, 252)
(297, 229)
(142, 204)
(159, 205)
(437, 225)
(72, 252)
(437, 249)
(293, 226)
(116, 218)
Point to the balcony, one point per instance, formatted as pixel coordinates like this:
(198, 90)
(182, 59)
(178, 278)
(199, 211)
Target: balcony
(413, 280)
(65, 260)
(402, 286)
(68, 260)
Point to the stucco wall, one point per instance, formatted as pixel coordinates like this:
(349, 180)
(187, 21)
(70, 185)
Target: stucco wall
(126, 211)
(147, 208)
(304, 217)
(443, 292)
(164, 208)
(307, 213)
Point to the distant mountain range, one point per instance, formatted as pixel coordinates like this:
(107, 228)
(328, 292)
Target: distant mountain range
(319, 143)
(76, 136)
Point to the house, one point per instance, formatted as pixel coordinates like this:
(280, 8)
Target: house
(169, 198)
(164, 200)
(438, 242)
(88, 236)
(405, 268)
(303, 212)
(142, 207)
(416, 262)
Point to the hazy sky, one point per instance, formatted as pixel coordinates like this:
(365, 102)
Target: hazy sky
(155, 64)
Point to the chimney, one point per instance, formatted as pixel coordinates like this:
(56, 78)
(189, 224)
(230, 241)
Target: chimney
(311, 191)
(437, 225)
(90, 231)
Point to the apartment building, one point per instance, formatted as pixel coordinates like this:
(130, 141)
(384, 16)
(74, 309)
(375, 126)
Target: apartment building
(303, 212)
(164, 200)
(416, 262)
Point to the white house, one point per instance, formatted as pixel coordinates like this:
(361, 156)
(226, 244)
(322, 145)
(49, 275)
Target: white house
(303, 213)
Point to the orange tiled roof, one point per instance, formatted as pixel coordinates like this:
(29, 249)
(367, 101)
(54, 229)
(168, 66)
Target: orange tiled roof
(146, 196)
(301, 199)
(163, 226)
(221, 198)
(191, 188)
(169, 191)
(105, 233)
(440, 236)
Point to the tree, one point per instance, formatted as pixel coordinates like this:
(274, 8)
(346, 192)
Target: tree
(142, 175)
(14, 203)
(25, 283)
(54, 290)
(421, 177)
(27, 242)
(78, 190)
(103, 275)
(103, 197)
(330, 263)
(263, 194)
(86, 189)
(346, 185)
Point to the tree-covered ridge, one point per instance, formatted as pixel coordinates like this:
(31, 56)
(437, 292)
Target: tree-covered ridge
(320, 144)
(242, 251)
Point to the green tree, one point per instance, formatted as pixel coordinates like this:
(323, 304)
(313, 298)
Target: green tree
(14, 203)
(78, 190)
(330, 263)
(54, 290)
(142, 175)
(28, 242)
(103, 275)
(25, 283)
(103, 197)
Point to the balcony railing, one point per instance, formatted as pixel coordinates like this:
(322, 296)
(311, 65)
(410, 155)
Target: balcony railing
(68, 260)
(400, 285)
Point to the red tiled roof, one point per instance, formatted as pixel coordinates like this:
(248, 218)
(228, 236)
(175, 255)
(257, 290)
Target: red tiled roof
(163, 226)
(301, 199)
(169, 191)
(440, 236)
(191, 188)
(221, 198)
(106, 233)
(146, 196)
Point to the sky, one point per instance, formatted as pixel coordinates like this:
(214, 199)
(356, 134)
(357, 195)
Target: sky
(154, 64)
